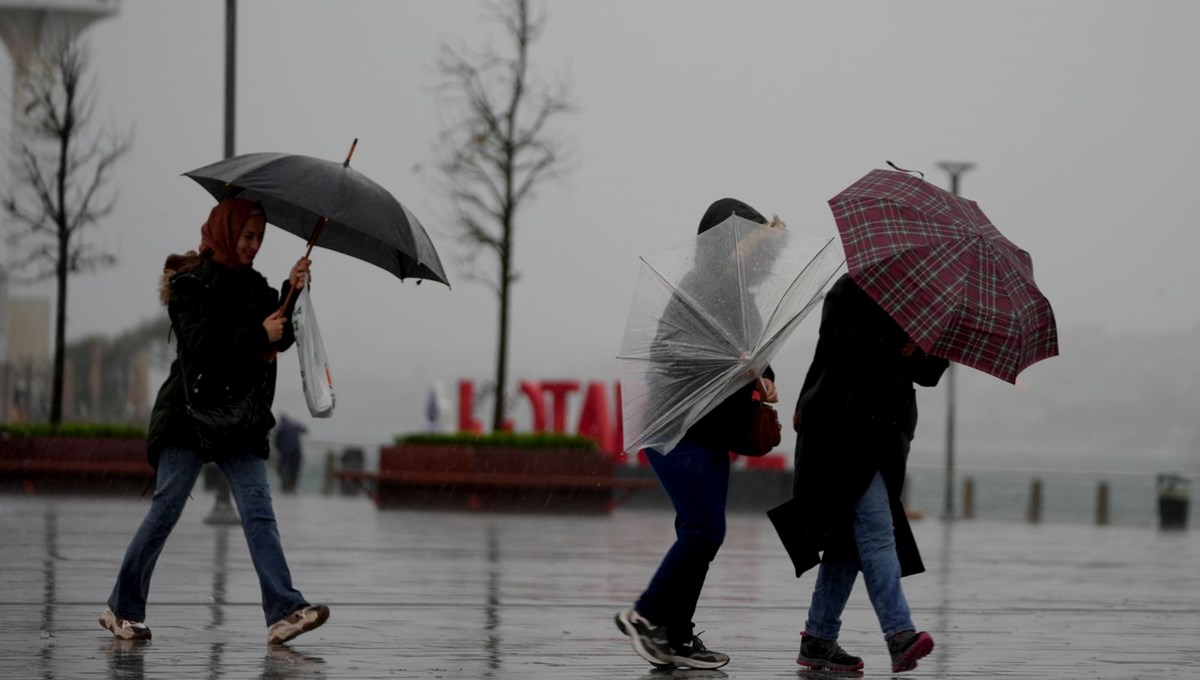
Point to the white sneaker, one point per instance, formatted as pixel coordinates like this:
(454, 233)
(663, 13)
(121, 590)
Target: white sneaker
(124, 629)
(299, 621)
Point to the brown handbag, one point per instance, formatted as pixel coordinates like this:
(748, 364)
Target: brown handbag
(763, 431)
(763, 434)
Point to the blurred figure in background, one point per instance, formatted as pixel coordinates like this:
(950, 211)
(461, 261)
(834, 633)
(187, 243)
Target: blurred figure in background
(291, 453)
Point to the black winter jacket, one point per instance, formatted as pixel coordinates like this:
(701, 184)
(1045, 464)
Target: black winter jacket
(216, 318)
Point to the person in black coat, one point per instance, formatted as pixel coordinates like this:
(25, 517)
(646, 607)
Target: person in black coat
(855, 419)
(228, 325)
(695, 474)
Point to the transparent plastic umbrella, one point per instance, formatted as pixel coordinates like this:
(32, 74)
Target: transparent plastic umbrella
(708, 316)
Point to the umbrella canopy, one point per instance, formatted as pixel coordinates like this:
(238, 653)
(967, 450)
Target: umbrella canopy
(937, 265)
(707, 317)
(299, 193)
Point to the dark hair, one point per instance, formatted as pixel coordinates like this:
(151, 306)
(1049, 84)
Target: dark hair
(720, 211)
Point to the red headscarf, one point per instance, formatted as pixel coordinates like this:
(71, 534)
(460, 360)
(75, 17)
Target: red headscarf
(220, 233)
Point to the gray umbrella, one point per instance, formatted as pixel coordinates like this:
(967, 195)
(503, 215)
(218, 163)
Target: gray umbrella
(329, 204)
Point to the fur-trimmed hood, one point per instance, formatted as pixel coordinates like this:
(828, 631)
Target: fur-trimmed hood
(175, 265)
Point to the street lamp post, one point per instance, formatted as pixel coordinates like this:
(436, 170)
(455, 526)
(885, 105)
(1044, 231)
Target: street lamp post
(955, 169)
(223, 511)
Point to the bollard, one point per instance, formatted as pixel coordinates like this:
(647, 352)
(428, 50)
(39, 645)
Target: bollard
(1034, 515)
(1102, 504)
(969, 498)
(327, 483)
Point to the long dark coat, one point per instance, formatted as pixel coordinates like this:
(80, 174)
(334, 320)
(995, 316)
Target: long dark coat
(216, 315)
(857, 413)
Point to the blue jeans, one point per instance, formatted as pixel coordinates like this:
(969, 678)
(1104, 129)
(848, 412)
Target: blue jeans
(177, 473)
(876, 557)
(697, 480)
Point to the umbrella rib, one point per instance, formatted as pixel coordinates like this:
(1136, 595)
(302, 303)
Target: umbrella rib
(741, 278)
(796, 282)
(672, 413)
(694, 307)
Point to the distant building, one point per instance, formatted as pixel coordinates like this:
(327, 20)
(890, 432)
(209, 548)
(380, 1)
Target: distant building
(24, 373)
(29, 330)
(28, 29)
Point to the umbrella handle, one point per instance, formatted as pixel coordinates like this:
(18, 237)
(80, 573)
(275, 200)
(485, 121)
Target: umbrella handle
(312, 241)
(894, 167)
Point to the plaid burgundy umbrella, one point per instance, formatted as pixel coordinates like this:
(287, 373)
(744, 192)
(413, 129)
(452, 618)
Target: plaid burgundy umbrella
(953, 282)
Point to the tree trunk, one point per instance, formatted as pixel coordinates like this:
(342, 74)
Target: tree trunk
(502, 339)
(60, 328)
(64, 252)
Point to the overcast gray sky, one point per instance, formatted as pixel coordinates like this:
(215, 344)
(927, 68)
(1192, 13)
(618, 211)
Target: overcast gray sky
(1081, 117)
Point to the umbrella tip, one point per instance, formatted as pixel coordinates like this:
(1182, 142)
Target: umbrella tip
(346, 163)
(911, 172)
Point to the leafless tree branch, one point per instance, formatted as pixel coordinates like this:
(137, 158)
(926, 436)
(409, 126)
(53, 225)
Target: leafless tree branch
(60, 184)
(498, 150)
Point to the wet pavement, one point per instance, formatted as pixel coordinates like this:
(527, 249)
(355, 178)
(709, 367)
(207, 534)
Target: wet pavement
(459, 595)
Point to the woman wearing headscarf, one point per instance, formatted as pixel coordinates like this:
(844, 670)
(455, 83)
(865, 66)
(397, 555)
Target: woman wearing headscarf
(228, 323)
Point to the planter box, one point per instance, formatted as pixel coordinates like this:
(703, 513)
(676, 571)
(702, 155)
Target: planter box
(496, 478)
(78, 465)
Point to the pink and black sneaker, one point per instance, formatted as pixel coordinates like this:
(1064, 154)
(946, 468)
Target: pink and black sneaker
(906, 647)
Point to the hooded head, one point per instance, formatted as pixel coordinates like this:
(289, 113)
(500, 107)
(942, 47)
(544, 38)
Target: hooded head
(220, 234)
(710, 259)
(720, 211)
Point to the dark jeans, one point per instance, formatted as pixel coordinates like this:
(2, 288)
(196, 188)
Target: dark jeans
(177, 473)
(697, 480)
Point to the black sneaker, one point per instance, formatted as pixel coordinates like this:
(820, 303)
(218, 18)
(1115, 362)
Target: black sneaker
(821, 654)
(906, 647)
(649, 640)
(695, 655)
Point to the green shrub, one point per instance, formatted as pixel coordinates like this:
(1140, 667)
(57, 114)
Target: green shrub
(515, 440)
(101, 430)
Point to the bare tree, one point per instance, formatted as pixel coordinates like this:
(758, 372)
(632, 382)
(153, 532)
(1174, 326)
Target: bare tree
(62, 171)
(497, 151)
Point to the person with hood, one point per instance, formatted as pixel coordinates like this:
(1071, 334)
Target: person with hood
(229, 326)
(695, 475)
(855, 420)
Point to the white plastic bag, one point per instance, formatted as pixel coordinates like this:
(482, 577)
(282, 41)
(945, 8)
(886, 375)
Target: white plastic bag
(314, 366)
